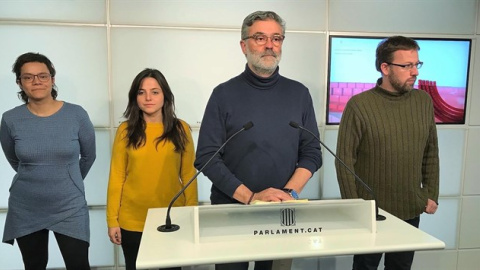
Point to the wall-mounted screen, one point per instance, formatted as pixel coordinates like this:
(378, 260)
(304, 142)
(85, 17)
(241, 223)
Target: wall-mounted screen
(444, 74)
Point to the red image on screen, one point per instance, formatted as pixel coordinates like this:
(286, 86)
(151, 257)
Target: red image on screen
(444, 74)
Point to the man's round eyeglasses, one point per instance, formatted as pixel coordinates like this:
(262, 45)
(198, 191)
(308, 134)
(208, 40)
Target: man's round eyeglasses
(408, 66)
(43, 77)
(261, 39)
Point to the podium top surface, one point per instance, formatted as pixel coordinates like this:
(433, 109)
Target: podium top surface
(212, 234)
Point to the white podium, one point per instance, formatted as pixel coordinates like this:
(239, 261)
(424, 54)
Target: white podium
(235, 233)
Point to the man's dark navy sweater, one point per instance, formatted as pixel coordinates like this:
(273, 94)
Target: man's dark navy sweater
(267, 154)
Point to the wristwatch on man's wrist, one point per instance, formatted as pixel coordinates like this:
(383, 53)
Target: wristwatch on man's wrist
(291, 192)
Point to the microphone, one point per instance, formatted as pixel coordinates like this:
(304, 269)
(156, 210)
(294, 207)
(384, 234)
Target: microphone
(168, 226)
(378, 216)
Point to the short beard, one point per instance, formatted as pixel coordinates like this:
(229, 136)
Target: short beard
(397, 85)
(259, 66)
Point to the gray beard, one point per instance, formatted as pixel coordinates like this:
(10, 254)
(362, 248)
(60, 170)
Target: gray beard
(259, 67)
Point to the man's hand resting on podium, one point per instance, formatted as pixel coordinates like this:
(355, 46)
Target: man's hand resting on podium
(298, 180)
(246, 196)
(272, 195)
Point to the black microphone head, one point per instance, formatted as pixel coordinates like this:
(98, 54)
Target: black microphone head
(294, 124)
(248, 125)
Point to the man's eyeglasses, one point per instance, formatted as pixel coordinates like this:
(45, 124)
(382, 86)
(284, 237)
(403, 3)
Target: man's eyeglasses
(262, 39)
(408, 66)
(27, 77)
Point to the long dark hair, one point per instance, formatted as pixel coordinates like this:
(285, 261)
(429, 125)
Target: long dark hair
(29, 58)
(173, 129)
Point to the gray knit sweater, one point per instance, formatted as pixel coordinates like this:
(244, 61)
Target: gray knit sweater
(51, 155)
(390, 141)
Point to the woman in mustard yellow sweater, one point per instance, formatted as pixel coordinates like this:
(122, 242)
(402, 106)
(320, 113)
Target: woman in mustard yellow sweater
(152, 157)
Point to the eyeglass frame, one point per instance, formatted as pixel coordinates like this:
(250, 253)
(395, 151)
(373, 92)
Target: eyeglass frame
(417, 65)
(254, 37)
(22, 79)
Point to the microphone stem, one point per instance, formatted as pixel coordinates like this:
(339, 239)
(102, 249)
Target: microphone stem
(378, 217)
(198, 172)
(168, 227)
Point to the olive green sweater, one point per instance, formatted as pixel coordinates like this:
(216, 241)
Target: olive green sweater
(390, 141)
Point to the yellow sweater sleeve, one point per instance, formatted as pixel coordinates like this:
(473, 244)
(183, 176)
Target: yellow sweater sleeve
(118, 167)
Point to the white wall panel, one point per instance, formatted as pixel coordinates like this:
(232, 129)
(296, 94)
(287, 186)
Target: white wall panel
(312, 189)
(330, 188)
(80, 58)
(9, 98)
(474, 92)
(335, 263)
(204, 186)
(193, 62)
(305, 263)
(451, 144)
(410, 16)
(469, 223)
(55, 259)
(92, 11)
(478, 18)
(471, 184)
(307, 14)
(10, 256)
(438, 260)
(203, 183)
(6, 178)
(96, 181)
(121, 258)
(444, 223)
(101, 252)
(303, 60)
(468, 259)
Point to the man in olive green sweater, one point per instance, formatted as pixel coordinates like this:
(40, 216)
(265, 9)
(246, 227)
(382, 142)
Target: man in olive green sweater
(388, 136)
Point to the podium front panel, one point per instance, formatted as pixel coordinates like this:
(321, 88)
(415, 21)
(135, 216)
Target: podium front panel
(233, 222)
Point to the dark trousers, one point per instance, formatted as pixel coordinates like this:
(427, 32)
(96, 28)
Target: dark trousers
(259, 265)
(393, 260)
(34, 249)
(130, 246)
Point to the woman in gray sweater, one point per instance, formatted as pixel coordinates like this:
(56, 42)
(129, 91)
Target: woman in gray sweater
(51, 146)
